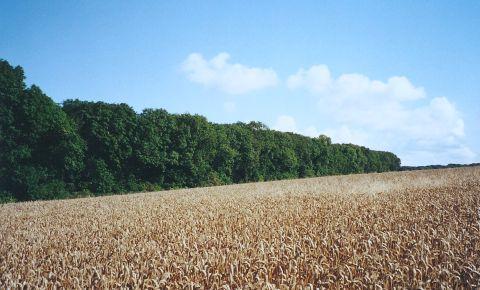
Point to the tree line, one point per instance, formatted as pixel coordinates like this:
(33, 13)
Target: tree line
(79, 148)
(427, 167)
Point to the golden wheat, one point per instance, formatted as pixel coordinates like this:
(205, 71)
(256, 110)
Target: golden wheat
(406, 229)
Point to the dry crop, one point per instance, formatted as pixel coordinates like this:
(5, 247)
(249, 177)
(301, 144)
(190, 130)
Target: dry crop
(403, 229)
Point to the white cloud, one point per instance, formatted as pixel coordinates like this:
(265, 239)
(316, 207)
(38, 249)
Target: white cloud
(344, 134)
(285, 123)
(311, 131)
(231, 78)
(229, 107)
(318, 80)
(447, 155)
(394, 115)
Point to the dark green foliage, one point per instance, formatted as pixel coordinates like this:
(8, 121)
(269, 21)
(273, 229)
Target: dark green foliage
(110, 132)
(6, 197)
(93, 148)
(193, 146)
(39, 144)
(153, 150)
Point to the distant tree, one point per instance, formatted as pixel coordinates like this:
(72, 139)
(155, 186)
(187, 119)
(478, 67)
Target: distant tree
(154, 152)
(110, 132)
(225, 155)
(41, 153)
(194, 151)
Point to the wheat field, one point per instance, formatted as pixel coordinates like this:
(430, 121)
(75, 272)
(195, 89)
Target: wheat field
(380, 231)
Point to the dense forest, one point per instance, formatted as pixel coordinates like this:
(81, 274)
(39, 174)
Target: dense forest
(78, 148)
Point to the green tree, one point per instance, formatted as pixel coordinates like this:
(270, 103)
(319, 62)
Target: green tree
(48, 151)
(41, 153)
(110, 132)
(154, 153)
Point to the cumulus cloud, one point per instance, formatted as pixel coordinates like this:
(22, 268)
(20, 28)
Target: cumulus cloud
(285, 123)
(318, 80)
(391, 115)
(311, 131)
(344, 134)
(231, 78)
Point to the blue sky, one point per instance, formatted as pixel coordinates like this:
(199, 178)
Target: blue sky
(402, 76)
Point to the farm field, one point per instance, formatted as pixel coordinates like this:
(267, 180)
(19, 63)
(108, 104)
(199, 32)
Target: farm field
(398, 229)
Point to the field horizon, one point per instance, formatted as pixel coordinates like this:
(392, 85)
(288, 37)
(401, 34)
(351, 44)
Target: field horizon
(315, 179)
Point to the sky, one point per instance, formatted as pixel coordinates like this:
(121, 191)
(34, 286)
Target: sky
(399, 76)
